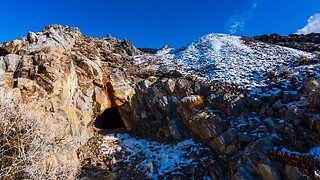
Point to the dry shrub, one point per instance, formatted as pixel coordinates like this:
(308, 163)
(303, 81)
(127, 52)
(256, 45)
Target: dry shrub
(27, 147)
(303, 60)
(286, 72)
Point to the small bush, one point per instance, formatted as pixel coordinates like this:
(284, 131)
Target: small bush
(286, 72)
(27, 147)
(15, 138)
(303, 60)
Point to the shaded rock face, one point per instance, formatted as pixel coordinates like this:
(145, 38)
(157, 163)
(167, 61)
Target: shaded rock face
(240, 122)
(310, 42)
(178, 108)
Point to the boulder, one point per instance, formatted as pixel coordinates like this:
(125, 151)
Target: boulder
(2, 63)
(129, 48)
(32, 37)
(170, 86)
(121, 91)
(293, 173)
(294, 115)
(256, 164)
(222, 142)
(12, 61)
(314, 122)
(2, 67)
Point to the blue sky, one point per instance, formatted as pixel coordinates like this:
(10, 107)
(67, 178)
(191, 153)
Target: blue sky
(154, 23)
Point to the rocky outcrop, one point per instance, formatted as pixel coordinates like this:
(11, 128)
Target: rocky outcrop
(241, 113)
(60, 72)
(309, 42)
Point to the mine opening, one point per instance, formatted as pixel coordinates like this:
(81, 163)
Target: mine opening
(109, 119)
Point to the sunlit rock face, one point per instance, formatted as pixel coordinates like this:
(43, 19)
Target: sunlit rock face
(59, 72)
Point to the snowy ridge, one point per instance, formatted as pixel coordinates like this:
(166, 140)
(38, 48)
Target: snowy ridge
(227, 58)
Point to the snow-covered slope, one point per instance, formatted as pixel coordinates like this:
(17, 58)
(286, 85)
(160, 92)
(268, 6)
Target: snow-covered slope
(226, 58)
(153, 158)
(229, 59)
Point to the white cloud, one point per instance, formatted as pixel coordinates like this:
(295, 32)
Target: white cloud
(238, 21)
(236, 24)
(313, 25)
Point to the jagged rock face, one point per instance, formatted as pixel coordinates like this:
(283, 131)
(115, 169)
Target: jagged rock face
(176, 111)
(52, 38)
(64, 68)
(48, 68)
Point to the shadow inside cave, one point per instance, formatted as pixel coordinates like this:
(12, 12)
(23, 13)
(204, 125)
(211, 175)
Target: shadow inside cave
(110, 119)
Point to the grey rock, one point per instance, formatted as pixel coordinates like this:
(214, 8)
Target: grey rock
(277, 105)
(258, 163)
(175, 129)
(246, 171)
(294, 115)
(130, 49)
(270, 123)
(52, 38)
(292, 173)
(170, 86)
(164, 104)
(32, 37)
(2, 67)
(220, 143)
(238, 107)
(2, 63)
(314, 122)
(183, 87)
(254, 102)
(12, 61)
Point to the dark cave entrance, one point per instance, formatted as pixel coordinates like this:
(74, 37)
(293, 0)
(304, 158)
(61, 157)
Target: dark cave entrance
(109, 119)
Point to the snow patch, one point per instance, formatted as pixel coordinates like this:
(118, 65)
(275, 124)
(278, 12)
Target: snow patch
(152, 157)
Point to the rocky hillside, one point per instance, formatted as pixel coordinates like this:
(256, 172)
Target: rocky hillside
(210, 110)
